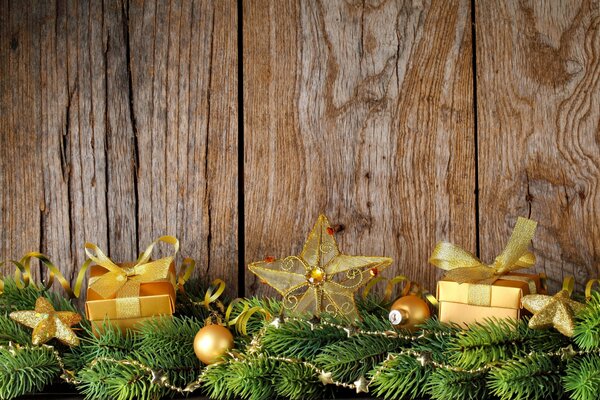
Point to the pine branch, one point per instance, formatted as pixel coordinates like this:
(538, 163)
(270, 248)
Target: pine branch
(105, 380)
(15, 299)
(587, 329)
(356, 356)
(497, 340)
(296, 339)
(26, 370)
(582, 378)
(251, 378)
(11, 331)
(401, 377)
(444, 384)
(168, 344)
(534, 378)
(298, 382)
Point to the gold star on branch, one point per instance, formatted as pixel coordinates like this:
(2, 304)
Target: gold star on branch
(48, 323)
(320, 278)
(558, 311)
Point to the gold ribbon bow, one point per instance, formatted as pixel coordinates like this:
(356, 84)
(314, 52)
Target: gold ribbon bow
(464, 267)
(125, 282)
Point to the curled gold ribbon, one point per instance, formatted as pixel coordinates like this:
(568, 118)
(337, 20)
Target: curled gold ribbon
(588, 288)
(464, 267)
(387, 296)
(240, 322)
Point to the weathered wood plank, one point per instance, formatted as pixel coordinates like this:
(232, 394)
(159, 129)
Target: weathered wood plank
(361, 110)
(538, 123)
(119, 124)
(184, 82)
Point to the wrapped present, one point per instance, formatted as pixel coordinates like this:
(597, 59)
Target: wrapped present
(472, 291)
(129, 293)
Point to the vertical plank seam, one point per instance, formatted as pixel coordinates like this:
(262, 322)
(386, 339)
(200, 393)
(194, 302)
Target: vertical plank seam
(241, 201)
(133, 121)
(107, 134)
(475, 127)
(207, 187)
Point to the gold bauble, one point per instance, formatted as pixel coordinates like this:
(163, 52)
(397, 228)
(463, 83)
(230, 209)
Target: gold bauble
(409, 311)
(211, 342)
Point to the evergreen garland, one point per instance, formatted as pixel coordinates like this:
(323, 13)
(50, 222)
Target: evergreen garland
(292, 357)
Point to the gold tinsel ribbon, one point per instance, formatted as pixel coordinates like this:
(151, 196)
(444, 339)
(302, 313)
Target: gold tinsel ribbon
(241, 320)
(464, 267)
(409, 287)
(119, 282)
(588, 288)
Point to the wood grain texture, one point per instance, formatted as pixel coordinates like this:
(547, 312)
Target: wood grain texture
(362, 110)
(538, 85)
(119, 124)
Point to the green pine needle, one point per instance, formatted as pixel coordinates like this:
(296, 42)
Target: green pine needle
(498, 340)
(402, 377)
(582, 378)
(444, 385)
(26, 371)
(587, 328)
(530, 378)
(356, 356)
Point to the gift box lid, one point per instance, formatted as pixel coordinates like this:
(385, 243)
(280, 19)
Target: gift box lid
(504, 293)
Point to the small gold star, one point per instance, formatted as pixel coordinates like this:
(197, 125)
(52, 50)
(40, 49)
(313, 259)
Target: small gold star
(48, 323)
(558, 311)
(361, 385)
(326, 378)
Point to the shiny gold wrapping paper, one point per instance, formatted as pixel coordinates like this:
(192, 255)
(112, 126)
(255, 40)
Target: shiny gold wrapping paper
(156, 298)
(505, 300)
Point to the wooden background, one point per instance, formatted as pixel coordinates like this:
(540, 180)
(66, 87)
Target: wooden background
(234, 124)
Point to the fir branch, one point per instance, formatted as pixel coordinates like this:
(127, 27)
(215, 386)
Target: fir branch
(401, 377)
(251, 378)
(497, 340)
(215, 383)
(111, 343)
(582, 378)
(105, 380)
(356, 356)
(534, 377)
(297, 382)
(15, 299)
(26, 370)
(168, 344)
(296, 339)
(587, 328)
(11, 331)
(445, 384)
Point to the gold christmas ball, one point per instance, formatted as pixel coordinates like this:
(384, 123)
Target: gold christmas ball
(409, 311)
(211, 342)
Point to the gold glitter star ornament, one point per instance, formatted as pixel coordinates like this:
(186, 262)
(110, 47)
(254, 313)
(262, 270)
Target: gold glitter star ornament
(48, 323)
(558, 311)
(320, 278)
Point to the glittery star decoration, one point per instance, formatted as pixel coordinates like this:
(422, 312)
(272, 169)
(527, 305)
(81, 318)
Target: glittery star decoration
(320, 278)
(48, 323)
(558, 311)
(361, 385)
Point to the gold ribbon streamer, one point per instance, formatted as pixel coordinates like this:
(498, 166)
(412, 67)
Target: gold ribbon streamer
(241, 320)
(388, 287)
(124, 283)
(464, 267)
(588, 288)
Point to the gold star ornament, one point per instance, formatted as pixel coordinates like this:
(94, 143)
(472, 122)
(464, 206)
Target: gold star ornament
(558, 311)
(48, 323)
(320, 278)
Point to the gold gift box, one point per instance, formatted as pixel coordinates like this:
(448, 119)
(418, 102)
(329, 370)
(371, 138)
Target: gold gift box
(505, 300)
(156, 298)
